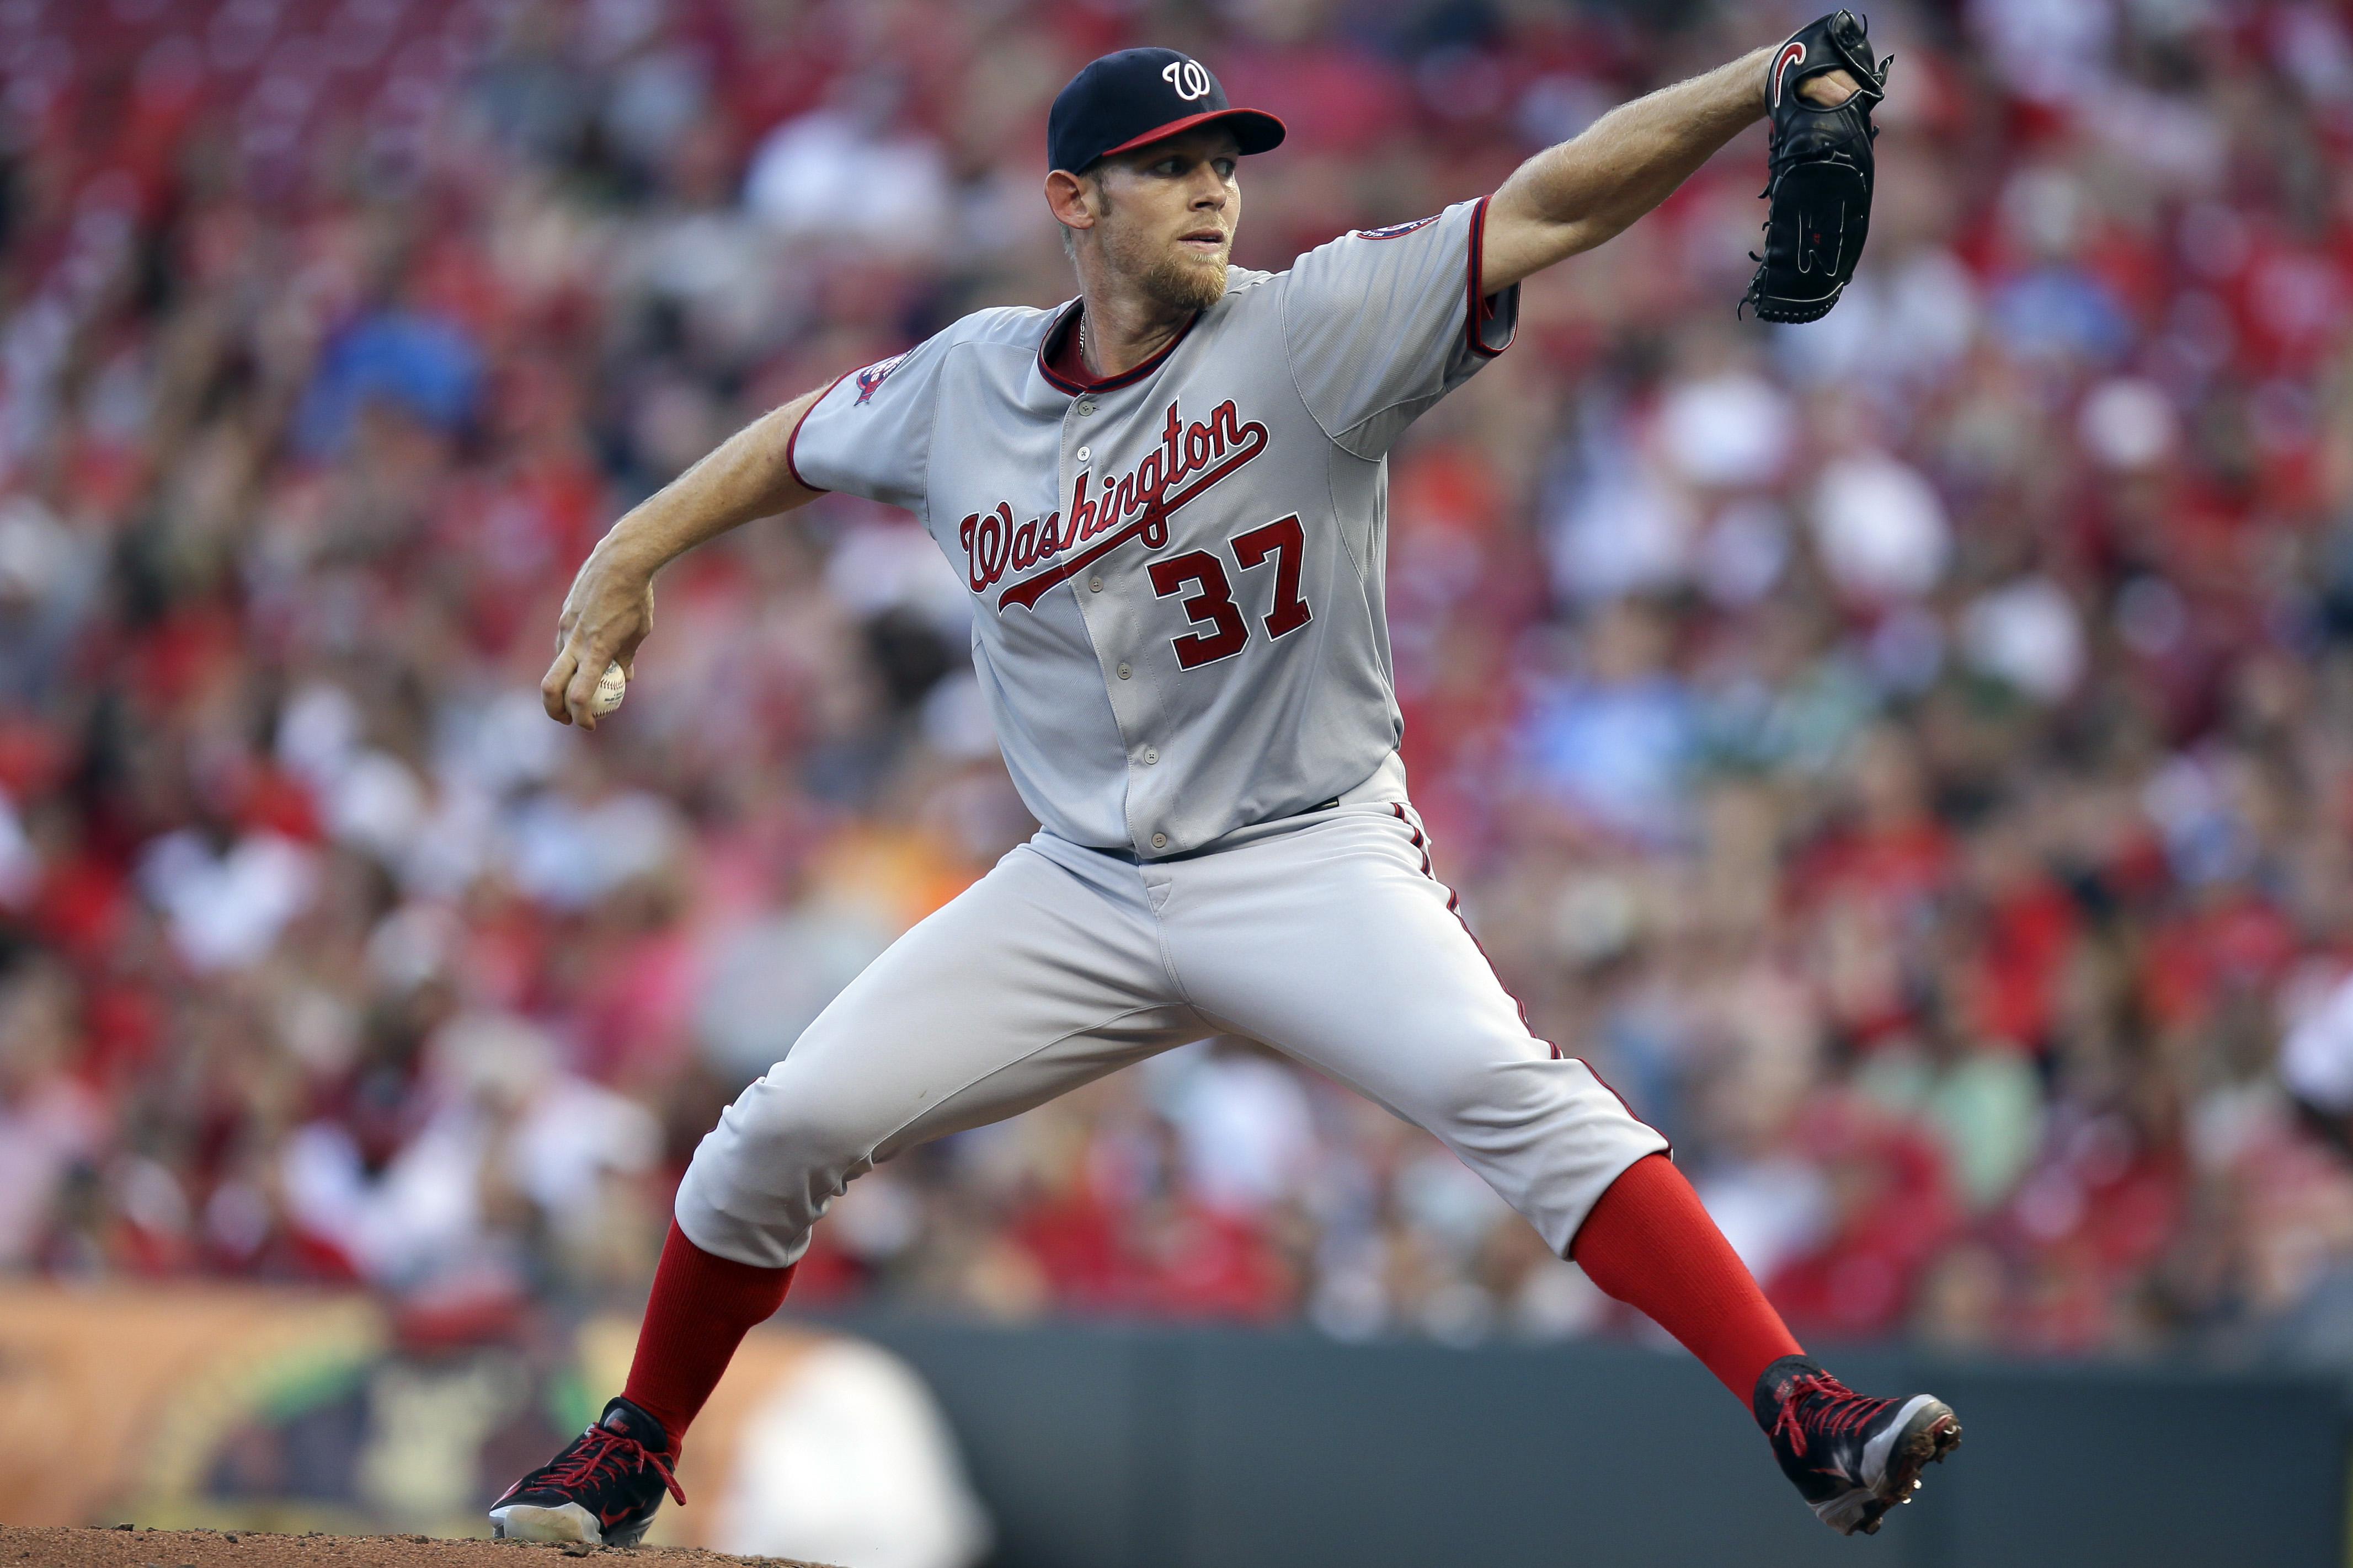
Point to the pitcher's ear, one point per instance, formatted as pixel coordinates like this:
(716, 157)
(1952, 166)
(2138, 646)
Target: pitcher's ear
(1071, 198)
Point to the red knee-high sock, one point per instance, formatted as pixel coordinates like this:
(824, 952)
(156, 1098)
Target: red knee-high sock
(701, 1309)
(1649, 1243)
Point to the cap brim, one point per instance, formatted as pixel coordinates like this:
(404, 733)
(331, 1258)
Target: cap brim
(1254, 129)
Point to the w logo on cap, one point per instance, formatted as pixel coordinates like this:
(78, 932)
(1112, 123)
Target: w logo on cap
(1187, 77)
(1133, 98)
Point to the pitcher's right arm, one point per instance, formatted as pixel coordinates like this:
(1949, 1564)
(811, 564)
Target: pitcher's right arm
(610, 607)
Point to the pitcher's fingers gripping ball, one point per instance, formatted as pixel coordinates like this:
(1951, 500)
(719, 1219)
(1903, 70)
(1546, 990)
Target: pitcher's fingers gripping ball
(611, 686)
(1821, 175)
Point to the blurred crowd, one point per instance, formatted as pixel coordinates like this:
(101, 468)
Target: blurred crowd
(1910, 755)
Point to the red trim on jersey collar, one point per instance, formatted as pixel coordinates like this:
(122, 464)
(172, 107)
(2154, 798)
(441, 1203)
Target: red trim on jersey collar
(1128, 377)
(1068, 363)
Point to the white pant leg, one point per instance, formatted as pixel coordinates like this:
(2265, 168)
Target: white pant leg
(1331, 942)
(1046, 973)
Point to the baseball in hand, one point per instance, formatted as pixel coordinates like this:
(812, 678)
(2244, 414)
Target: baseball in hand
(611, 686)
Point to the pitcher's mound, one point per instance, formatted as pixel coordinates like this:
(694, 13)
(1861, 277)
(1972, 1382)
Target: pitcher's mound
(24, 1546)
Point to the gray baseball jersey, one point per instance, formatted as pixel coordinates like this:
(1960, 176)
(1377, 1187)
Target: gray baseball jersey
(1177, 573)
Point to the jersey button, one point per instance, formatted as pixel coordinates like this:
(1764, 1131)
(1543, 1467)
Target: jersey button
(1160, 841)
(1125, 672)
(1086, 406)
(1150, 756)
(1094, 584)
(1084, 453)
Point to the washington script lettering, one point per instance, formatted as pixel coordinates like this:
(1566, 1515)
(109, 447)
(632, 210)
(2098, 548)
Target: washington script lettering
(1187, 461)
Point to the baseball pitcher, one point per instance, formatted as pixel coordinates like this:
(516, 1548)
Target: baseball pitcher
(1168, 500)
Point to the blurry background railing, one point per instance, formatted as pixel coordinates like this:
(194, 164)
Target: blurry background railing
(1105, 1448)
(898, 1442)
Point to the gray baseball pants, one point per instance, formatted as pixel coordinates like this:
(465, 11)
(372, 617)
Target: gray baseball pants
(1323, 936)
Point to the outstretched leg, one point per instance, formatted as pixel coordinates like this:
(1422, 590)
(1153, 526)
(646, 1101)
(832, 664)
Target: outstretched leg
(1044, 974)
(1332, 941)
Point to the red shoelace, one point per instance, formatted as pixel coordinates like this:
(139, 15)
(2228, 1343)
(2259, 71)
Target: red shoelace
(1848, 1409)
(600, 1449)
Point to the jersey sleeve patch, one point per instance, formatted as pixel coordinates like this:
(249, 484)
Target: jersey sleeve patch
(870, 379)
(1394, 230)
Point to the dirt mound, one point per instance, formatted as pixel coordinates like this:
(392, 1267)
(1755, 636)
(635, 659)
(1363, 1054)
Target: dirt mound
(123, 1547)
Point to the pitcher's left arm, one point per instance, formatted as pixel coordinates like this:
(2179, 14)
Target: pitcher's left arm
(1573, 196)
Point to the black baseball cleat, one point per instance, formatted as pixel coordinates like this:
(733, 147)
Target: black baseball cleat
(602, 1489)
(1851, 1457)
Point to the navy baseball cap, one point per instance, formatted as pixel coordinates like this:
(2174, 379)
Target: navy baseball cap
(1125, 99)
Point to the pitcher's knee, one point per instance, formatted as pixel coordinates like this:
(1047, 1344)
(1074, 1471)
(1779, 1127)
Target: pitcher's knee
(768, 1171)
(1548, 1136)
(787, 1119)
